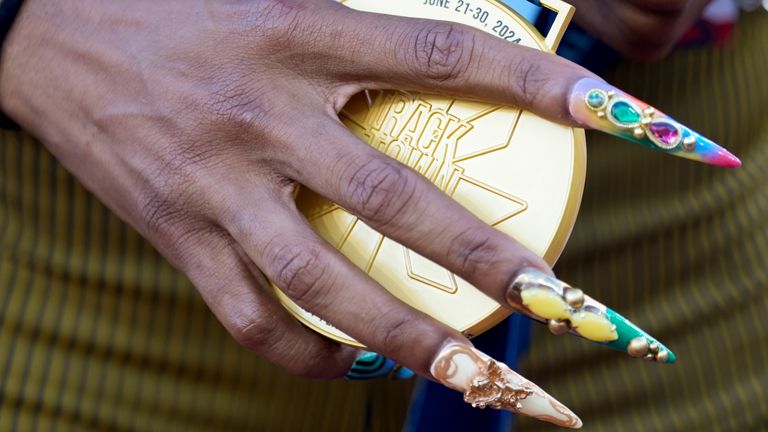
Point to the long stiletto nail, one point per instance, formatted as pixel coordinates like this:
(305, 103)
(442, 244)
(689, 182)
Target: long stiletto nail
(488, 383)
(600, 106)
(565, 309)
(370, 365)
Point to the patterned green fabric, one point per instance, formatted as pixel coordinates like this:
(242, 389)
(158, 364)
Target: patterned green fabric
(97, 332)
(679, 248)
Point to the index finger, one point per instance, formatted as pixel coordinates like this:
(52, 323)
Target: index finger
(445, 57)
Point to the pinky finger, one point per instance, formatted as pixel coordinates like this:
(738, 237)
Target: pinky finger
(240, 298)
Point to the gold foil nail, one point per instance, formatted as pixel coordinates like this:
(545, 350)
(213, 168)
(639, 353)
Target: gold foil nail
(488, 383)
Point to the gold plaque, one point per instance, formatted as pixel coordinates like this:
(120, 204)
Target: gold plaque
(520, 173)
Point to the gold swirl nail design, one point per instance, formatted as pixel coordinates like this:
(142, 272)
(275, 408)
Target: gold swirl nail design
(488, 383)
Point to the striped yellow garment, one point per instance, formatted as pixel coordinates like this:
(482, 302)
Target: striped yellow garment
(679, 248)
(97, 332)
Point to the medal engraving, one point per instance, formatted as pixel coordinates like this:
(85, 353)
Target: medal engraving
(417, 135)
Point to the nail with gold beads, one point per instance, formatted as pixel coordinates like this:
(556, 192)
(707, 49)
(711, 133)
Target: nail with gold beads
(654, 347)
(638, 347)
(574, 297)
(558, 327)
(565, 309)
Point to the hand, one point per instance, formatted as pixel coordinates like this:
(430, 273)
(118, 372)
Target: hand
(190, 120)
(642, 30)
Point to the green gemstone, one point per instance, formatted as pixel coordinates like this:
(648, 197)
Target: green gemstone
(595, 99)
(623, 112)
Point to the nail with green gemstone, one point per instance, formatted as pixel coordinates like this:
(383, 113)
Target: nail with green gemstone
(565, 309)
(600, 106)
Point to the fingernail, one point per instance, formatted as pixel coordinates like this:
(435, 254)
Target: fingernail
(402, 373)
(370, 365)
(488, 383)
(565, 309)
(600, 106)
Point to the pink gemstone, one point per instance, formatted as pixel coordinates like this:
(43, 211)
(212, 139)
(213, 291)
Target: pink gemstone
(665, 132)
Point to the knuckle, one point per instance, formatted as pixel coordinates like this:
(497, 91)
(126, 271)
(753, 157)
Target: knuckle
(160, 216)
(176, 232)
(380, 190)
(473, 250)
(442, 51)
(256, 335)
(172, 205)
(395, 334)
(275, 21)
(299, 272)
(260, 335)
(528, 81)
(242, 108)
(167, 223)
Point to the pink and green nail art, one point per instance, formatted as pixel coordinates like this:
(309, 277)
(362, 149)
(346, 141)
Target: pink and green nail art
(605, 108)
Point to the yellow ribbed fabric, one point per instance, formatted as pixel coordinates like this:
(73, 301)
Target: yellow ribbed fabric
(97, 332)
(679, 248)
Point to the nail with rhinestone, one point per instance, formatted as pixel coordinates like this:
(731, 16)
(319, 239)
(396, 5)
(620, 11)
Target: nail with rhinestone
(598, 105)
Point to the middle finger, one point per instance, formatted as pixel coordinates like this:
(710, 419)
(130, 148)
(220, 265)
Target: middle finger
(403, 205)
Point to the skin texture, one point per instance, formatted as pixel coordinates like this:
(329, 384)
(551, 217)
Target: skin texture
(195, 121)
(643, 30)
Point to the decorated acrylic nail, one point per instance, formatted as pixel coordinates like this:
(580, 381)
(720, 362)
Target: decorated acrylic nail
(565, 309)
(488, 383)
(370, 365)
(601, 106)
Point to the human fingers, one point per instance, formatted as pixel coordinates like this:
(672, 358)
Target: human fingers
(323, 282)
(403, 205)
(240, 297)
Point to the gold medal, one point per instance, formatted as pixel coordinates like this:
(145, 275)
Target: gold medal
(522, 174)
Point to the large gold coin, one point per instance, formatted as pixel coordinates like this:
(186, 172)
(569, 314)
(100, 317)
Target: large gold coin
(520, 173)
